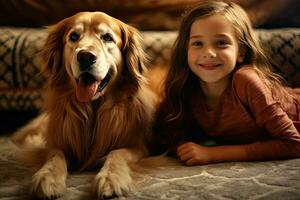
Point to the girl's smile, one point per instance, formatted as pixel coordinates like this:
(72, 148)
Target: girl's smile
(210, 66)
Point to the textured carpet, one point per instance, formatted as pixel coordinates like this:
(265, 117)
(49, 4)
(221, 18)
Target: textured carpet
(274, 180)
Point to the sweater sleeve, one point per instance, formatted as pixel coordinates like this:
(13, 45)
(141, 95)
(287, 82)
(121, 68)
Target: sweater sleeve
(268, 114)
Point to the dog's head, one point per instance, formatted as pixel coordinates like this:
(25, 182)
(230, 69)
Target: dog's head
(92, 53)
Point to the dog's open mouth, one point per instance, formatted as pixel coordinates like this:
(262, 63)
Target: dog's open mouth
(89, 88)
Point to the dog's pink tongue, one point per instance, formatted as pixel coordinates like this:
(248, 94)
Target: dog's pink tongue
(86, 91)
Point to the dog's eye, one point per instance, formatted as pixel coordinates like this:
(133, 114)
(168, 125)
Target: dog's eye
(107, 37)
(74, 36)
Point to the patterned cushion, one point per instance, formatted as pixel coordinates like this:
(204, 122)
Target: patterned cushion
(283, 48)
(20, 63)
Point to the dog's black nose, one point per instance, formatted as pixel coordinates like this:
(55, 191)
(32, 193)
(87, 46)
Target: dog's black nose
(86, 59)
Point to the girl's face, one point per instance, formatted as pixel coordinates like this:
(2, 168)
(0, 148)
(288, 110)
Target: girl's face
(213, 49)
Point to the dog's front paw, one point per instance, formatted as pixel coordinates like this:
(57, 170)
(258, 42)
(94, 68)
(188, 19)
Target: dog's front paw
(46, 185)
(108, 184)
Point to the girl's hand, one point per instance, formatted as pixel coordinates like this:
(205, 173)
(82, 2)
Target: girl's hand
(193, 154)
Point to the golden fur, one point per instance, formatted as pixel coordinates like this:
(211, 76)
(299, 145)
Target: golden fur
(77, 132)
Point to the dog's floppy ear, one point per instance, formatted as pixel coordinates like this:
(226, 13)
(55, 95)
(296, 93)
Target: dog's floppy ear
(133, 53)
(53, 47)
(52, 53)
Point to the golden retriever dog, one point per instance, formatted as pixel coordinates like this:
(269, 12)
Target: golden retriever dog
(99, 107)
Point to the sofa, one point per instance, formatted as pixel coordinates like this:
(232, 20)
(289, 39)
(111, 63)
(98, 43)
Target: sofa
(20, 64)
(21, 87)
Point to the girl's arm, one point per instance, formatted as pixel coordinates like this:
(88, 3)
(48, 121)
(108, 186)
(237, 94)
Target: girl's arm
(194, 154)
(268, 114)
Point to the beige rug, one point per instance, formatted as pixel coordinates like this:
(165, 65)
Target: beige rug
(275, 180)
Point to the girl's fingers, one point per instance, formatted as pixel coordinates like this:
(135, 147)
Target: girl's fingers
(183, 148)
(180, 147)
(190, 162)
(185, 157)
(182, 151)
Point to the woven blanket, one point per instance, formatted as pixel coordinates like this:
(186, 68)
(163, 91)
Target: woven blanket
(272, 180)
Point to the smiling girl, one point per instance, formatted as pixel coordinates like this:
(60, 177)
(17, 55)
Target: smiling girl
(220, 87)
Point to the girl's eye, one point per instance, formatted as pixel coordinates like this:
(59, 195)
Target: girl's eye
(74, 36)
(196, 43)
(107, 37)
(222, 43)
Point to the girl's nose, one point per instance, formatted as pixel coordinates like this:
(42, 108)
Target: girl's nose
(209, 53)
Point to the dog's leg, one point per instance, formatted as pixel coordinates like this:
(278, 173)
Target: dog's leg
(50, 180)
(114, 177)
(34, 129)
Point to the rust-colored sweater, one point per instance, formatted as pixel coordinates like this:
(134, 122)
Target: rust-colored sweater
(248, 114)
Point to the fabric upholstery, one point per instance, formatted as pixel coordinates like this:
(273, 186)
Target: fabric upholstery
(20, 63)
